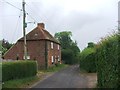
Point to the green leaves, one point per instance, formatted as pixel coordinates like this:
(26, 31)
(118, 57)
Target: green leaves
(4, 46)
(64, 38)
(18, 69)
(87, 58)
(70, 50)
(107, 62)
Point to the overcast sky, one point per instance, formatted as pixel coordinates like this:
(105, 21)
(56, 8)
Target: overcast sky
(88, 20)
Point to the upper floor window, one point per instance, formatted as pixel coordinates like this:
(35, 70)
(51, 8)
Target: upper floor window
(51, 45)
(58, 47)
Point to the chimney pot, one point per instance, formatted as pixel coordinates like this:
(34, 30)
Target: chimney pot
(41, 26)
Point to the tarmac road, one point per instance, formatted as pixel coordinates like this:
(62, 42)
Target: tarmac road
(67, 78)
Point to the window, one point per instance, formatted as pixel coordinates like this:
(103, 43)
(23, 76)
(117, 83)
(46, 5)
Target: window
(52, 58)
(58, 58)
(28, 57)
(58, 47)
(55, 59)
(51, 45)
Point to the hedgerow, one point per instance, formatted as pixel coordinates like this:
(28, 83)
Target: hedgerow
(107, 62)
(87, 60)
(18, 69)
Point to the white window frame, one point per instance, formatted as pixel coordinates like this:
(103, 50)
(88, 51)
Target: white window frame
(58, 58)
(52, 59)
(58, 47)
(51, 45)
(28, 57)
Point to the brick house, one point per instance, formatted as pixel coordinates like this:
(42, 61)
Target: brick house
(41, 46)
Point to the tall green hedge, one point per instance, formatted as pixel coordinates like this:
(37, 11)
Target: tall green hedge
(18, 69)
(119, 59)
(87, 60)
(107, 62)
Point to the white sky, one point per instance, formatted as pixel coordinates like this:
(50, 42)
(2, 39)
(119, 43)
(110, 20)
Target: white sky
(88, 20)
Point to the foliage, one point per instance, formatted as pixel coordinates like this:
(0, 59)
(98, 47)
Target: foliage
(56, 68)
(70, 50)
(86, 52)
(91, 44)
(0, 74)
(4, 46)
(87, 59)
(64, 38)
(20, 83)
(18, 69)
(107, 62)
(67, 56)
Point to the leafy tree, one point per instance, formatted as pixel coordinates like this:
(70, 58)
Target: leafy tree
(4, 46)
(91, 45)
(87, 58)
(64, 38)
(70, 50)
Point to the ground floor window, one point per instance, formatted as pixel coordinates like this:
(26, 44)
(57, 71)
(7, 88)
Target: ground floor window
(52, 58)
(58, 58)
(28, 57)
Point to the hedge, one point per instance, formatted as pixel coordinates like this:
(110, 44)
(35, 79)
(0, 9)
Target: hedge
(87, 60)
(107, 62)
(18, 69)
(0, 71)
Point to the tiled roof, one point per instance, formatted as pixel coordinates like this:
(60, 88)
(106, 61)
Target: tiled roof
(39, 34)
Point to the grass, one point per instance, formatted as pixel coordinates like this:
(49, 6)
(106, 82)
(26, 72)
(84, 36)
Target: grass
(20, 83)
(55, 68)
(27, 82)
(83, 71)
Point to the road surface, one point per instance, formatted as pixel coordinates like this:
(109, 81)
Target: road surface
(67, 78)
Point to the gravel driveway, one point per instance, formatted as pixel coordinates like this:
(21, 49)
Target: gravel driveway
(67, 78)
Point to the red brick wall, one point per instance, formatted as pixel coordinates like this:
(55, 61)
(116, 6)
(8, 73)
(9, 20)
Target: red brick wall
(16, 49)
(36, 51)
(53, 52)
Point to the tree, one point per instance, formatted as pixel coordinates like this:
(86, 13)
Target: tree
(64, 38)
(91, 45)
(4, 46)
(87, 58)
(70, 50)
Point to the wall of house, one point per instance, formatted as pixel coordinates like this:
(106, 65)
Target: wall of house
(35, 50)
(53, 53)
(14, 52)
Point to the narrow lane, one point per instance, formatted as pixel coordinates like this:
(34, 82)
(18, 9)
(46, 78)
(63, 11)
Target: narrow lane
(66, 78)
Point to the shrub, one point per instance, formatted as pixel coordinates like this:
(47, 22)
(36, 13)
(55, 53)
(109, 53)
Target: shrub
(87, 60)
(18, 69)
(107, 62)
(0, 71)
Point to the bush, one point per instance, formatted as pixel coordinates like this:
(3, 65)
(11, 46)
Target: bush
(0, 71)
(18, 69)
(107, 62)
(87, 60)
(68, 56)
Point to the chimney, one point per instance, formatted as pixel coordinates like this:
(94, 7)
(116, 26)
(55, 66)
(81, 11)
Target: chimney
(41, 26)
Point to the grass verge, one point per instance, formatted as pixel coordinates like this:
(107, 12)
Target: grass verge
(55, 68)
(28, 82)
(20, 83)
